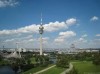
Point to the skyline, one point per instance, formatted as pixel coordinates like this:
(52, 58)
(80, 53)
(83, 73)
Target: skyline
(65, 22)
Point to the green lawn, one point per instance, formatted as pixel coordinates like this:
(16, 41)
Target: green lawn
(86, 68)
(33, 70)
(54, 70)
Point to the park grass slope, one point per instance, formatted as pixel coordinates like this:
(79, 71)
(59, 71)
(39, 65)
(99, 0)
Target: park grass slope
(86, 67)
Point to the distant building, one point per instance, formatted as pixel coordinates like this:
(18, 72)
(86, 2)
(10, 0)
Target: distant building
(13, 55)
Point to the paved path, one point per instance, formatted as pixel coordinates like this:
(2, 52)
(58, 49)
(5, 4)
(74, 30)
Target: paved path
(69, 69)
(44, 69)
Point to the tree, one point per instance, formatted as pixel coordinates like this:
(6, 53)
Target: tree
(62, 61)
(42, 60)
(1, 58)
(96, 59)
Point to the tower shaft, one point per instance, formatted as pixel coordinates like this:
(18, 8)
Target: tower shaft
(41, 32)
(41, 51)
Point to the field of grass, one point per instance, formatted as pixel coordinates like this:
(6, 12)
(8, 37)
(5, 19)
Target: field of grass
(54, 70)
(33, 70)
(86, 68)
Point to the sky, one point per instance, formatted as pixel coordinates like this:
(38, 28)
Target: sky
(65, 22)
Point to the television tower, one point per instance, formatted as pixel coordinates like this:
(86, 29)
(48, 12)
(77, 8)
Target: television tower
(41, 32)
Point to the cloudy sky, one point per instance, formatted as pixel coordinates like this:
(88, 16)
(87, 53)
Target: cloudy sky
(65, 22)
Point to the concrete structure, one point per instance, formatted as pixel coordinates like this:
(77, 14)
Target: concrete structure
(19, 50)
(41, 32)
(13, 55)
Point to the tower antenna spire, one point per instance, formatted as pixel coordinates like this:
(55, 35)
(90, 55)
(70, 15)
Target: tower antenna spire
(41, 19)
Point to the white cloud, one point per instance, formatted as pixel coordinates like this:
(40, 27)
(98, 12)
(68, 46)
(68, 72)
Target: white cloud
(71, 21)
(98, 35)
(95, 43)
(51, 27)
(59, 40)
(24, 34)
(67, 34)
(27, 29)
(54, 26)
(18, 39)
(85, 35)
(83, 40)
(4, 3)
(80, 41)
(64, 35)
(31, 40)
(9, 40)
(94, 18)
(45, 38)
(96, 39)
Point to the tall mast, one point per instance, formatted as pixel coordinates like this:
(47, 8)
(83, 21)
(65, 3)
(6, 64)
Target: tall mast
(41, 20)
(41, 32)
